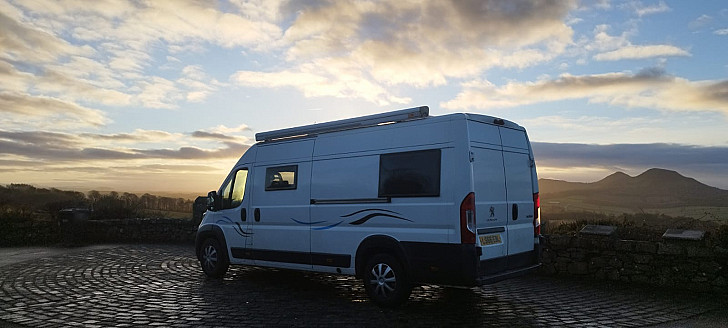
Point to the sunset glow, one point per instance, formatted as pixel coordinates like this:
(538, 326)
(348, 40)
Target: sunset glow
(166, 95)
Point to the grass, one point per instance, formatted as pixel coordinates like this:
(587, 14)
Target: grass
(703, 213)
(634, 226)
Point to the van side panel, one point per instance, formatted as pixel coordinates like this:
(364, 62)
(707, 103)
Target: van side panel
(280, 222)
(346, 207)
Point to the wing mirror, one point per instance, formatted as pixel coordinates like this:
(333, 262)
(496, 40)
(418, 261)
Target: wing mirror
(214, 201)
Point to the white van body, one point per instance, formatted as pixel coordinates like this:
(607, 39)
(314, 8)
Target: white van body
(396, 188)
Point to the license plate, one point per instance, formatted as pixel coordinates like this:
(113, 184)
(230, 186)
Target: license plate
(493, 239)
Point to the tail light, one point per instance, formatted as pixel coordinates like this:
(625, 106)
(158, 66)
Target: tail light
(536, 215)
(467, 219)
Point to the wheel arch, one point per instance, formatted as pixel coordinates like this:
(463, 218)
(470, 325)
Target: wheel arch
(208, 231)
(375, 245)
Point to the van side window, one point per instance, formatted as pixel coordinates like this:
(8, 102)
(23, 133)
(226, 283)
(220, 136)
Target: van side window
(281, 177)
(410, 174)
(233, 192)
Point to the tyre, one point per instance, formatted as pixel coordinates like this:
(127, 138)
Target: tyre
(213, 260)
(386, 281)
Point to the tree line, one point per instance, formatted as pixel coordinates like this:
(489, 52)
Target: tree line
(112, 205)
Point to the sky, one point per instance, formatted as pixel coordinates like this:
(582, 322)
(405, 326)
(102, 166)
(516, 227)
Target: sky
(164, 96)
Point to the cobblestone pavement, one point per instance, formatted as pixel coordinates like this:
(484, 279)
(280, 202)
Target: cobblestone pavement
(157, 285)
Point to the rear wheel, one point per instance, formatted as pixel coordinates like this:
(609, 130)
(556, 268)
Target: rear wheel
(386, 281)
(212, 258)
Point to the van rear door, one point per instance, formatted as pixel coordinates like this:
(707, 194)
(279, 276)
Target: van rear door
(502, 167)
(490, 192)
(518, 164)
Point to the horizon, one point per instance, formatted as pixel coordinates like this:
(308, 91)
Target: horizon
(164, 97)
(183, 194)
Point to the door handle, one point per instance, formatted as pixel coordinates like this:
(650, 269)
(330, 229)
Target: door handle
(256, 213)
(514, 211)
(243, 214)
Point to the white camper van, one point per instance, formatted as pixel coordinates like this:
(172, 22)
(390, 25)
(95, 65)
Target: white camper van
(391, 198)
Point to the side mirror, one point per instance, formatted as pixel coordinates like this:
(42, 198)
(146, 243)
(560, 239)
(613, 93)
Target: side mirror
(214, 202)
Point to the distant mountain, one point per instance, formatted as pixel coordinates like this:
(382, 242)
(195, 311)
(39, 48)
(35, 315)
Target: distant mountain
(654, 188)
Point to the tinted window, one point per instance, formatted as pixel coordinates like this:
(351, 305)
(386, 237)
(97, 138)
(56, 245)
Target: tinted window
(241, 178)
(410, 174)
(281, 177)
(234, 190)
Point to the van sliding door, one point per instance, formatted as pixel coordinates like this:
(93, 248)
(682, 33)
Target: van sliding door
(280, 218)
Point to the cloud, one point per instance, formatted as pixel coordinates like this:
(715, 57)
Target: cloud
(723, 31)
(139, 136)
(102, 52)
(650, 88)
(158, 92)
(642, 10)
(707, 164)
(52, 147)
(142, 23)
(22, 42)
(361, 50)
(220, 137)
(700, 22)
(116, 161)
(605, 42)
(197, 83)
(29, 107)
(61, 84)
(14, 80)
(641, 52)
(340, 84)
(229, 130)
(612, 48)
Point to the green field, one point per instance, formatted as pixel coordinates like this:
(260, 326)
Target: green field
(703, 213)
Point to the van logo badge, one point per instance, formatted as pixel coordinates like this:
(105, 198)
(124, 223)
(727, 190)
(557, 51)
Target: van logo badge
(492, 211)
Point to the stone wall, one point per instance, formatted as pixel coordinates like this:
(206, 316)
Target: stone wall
(136, 231)
(693, 265)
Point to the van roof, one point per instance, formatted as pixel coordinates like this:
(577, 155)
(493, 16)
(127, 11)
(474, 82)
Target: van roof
(393, 117)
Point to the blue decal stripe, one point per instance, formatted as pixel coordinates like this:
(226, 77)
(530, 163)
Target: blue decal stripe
(237, 229)
(306, 223)
(327, 227)
(371, 209)
(366, 218)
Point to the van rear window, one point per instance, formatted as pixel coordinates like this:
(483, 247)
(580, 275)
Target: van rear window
(410, 174)
(281, 177)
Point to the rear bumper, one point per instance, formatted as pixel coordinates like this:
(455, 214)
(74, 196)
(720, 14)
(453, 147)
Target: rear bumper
(459, 265)
(495, 270)
(447, 264)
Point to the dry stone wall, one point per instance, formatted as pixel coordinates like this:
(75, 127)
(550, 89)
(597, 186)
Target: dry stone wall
(676, 264)
(679, 264)
(159, 230)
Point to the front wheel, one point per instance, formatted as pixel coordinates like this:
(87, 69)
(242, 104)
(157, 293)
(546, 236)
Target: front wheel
(386, 281)
(212, 258)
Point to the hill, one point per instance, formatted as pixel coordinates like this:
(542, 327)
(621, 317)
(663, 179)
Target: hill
(653, 189)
